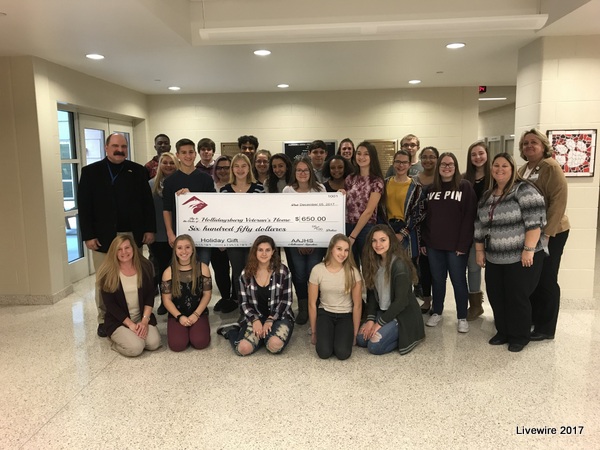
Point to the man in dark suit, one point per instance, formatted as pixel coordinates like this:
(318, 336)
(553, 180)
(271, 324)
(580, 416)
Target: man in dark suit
(114, 198)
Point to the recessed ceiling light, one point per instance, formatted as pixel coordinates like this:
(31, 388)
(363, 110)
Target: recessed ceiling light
(283, 86)
(455, 45)
(414, 81)
(95, 56)
(262, 52)
(491, 99)
(174, 88)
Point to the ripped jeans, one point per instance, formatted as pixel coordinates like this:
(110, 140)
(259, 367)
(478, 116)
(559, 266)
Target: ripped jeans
(382, 342)
(281, 328)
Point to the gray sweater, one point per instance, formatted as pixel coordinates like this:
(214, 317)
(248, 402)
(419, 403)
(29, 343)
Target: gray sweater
(522, 209)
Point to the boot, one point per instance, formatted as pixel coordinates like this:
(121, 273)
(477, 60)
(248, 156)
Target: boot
(475, 308)
(426, 306)
(302, 316)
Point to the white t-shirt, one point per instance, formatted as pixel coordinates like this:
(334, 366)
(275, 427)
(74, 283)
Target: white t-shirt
(331, 286)
(130, 290)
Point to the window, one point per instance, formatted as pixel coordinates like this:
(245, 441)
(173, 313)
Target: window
(70, 179)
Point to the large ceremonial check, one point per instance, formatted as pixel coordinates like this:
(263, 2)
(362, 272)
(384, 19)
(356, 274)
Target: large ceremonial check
(236, 220)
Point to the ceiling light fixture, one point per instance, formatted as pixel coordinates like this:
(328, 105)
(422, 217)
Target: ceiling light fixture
(262, 52)
(94, 56)
(491, 99)
(455, 45)
(414, 81)
(283, 86)
(174, 88)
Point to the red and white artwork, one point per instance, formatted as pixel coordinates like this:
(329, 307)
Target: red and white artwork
(574, 150)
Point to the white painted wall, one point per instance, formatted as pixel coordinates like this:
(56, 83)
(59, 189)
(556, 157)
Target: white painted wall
(33, 267)
(497, 121)
(557, 88)
(443, 117)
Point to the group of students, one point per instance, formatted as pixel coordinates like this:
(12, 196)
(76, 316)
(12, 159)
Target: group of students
(405, 233)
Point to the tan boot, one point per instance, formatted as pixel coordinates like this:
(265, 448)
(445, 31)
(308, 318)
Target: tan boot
(475, 308)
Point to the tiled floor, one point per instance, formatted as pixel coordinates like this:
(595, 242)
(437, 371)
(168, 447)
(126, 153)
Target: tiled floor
(62, 387)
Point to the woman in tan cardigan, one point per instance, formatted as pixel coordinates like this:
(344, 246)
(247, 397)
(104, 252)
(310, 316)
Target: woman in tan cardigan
(542, 170)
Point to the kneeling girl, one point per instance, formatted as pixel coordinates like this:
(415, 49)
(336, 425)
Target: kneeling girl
(334, 324)
(266, 302)
(186, 289)
(394, 318)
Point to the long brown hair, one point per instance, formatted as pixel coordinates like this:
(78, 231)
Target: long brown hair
(176, 266)
(437, 178)
(348, 265)
(471, 169)
(107, 275)
(371, 261)
(252, 264)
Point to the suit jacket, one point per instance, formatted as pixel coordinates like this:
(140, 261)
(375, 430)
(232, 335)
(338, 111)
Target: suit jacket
(116, 305)
(100, 200)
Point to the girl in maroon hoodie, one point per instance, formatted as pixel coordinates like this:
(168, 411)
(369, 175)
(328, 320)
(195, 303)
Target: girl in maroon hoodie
(448, 234)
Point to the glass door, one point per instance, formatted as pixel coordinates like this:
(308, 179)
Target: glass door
(82, 140)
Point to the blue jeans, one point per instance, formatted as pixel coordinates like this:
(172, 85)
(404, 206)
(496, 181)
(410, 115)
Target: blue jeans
(442, 263)
(473, 271)
(301, 267)
(203, 254)
(359, 242)
(387, 342)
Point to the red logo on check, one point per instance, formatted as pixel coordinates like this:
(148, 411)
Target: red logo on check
(196, 204)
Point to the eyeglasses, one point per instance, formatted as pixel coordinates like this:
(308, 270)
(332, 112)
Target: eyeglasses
(402, 163)
(302, 170)
(223, 167)
(447, 165)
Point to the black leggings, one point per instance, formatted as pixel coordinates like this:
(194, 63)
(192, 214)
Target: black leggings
(335, 334)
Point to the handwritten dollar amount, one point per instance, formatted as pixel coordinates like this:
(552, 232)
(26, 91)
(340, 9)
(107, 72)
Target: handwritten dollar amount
(311, 219)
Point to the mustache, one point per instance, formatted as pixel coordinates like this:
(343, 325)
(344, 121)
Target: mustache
(119, 153)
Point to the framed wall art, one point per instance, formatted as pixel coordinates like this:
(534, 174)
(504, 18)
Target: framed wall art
(574, 150)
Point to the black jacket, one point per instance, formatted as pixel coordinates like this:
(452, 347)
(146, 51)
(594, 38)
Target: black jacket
(101, 202)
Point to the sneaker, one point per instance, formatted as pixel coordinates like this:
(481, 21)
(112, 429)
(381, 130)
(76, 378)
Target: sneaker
(161, 310)
(433, 320)
(228, 306)
(101, 331)
(224, 330)
(463, 326)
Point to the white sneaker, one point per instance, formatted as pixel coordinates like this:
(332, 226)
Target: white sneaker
(463, 326)
(434, 320)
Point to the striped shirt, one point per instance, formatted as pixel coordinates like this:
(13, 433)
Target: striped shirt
(506, 222)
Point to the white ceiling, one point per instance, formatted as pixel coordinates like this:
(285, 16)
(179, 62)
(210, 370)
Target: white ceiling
(205, 46)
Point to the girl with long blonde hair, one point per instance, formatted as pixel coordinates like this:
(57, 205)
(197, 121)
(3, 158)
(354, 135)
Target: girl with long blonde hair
(125, 281)
(334, 324)
(186, 290)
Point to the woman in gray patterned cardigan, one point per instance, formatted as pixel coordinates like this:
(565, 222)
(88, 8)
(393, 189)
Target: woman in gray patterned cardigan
(508, 228)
